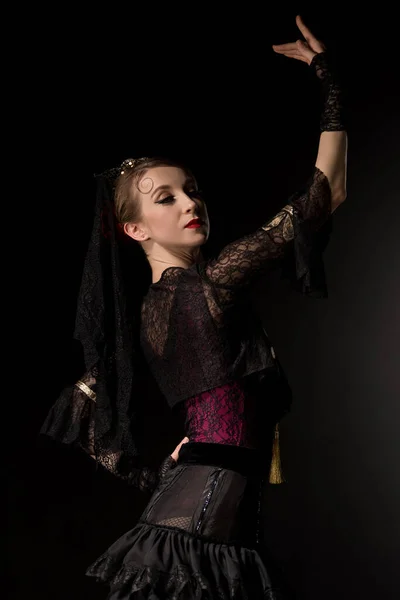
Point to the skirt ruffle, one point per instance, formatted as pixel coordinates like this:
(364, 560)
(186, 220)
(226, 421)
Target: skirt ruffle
(159, 563)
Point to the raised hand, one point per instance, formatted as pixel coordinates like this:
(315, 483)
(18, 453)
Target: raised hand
(300, 50)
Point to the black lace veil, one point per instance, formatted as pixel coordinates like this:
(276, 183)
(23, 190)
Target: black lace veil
(99, 412)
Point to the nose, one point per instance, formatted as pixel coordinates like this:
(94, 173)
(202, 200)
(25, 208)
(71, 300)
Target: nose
(190, 202)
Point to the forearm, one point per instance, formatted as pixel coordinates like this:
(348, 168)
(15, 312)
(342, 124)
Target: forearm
(332, 161)
(332, 150)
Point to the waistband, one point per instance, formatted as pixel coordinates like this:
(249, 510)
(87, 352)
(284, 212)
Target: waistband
(245, 461)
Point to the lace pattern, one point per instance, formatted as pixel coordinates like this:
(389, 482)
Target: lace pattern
(332, 117)
(72, 421)
(224, 415)
(195, 334)
(195, 337)
(252, 256)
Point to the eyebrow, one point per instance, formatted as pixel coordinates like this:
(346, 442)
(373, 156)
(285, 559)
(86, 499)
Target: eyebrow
(159, 188)
(166, 186)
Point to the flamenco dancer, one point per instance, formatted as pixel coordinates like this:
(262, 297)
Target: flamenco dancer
(199, 536)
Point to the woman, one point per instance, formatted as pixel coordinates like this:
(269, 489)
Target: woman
(199, 536)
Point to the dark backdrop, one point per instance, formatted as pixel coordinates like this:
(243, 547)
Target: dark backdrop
(204, 85)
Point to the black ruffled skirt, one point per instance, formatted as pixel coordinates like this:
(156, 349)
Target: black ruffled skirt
(199, 536)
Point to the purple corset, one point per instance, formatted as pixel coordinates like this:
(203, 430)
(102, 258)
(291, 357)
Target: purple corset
(223, 415)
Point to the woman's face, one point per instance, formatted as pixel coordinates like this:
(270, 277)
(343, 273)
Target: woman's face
(169, 200)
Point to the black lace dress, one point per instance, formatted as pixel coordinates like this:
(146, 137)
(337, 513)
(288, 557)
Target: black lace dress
(200, 535)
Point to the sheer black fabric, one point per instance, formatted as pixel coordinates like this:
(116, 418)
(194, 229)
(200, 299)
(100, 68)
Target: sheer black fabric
(72, 421)
(252, 256)
(200, 536)
(105, 427)
(197, 332)
(333, 116)
(105, 335)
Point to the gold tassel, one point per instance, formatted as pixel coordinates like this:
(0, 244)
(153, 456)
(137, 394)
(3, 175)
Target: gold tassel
(275, 474)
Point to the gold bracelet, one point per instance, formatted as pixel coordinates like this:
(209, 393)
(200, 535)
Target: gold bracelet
(86, 390)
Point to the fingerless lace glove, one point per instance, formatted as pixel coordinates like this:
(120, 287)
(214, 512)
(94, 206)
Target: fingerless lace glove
(332, 117)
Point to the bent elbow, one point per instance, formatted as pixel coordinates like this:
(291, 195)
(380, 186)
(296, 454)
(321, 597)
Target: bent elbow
(338, 198)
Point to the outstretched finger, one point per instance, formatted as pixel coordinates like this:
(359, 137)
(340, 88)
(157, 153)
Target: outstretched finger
(284, 47)
(288, 52)
(294, 54)
(304, 29)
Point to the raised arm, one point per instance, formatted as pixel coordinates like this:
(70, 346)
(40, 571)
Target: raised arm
(332, 150)
(253, 255)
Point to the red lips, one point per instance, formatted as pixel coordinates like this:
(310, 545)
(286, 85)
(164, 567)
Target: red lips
(196, 221)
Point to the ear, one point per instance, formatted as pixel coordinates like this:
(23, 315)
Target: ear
(135, 232)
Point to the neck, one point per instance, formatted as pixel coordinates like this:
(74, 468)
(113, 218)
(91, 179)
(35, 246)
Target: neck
(158, 268)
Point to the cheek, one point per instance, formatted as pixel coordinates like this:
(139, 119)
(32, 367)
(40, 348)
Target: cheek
(157, 218)
(162, 223)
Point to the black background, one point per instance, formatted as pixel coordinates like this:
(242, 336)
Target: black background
(89, 88)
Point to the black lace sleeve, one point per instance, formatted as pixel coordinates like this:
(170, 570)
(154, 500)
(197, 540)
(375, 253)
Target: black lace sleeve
(71, 420)
(289, 235)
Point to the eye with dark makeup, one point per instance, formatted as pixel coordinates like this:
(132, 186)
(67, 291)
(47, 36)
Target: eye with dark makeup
(191, 193)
